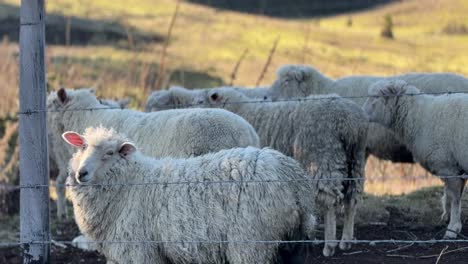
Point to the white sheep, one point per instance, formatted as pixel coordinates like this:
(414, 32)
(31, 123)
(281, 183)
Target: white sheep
(119, 103)
(174, 133)
(327, 136)
(301, 81)
(187, 216)
(433, 128)
(59, 156)
(178, 97)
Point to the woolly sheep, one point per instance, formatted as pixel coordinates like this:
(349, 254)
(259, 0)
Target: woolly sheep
(57, 157)
(174, 133)
(300, 81)
(179, 97)
(433, 128)
(267, 211)
(326, 136)
(121, 103)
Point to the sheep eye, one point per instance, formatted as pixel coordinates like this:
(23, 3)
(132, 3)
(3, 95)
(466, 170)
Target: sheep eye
(110, 152)
(84, 146)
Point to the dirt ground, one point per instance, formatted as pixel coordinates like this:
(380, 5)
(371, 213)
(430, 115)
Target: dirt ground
(407, 217)
(359, 254)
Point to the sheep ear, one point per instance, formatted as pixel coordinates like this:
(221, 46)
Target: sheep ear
(73, 139)
(126, 149)
(62, 95)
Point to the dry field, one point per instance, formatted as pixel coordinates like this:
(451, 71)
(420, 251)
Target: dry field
(122, 53)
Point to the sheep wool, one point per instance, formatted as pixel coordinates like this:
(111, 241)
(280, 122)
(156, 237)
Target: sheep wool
(178, 97)
(175, 133)
(61, 156)
(326, 136)
(184, 219)
(299, 81)
(433, 128)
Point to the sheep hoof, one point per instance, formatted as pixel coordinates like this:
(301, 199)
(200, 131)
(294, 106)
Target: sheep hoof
(82, 243)
(328, 250)
(449, 234)
(345, 245)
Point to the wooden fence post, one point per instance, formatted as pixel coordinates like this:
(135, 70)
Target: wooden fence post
(34, 201)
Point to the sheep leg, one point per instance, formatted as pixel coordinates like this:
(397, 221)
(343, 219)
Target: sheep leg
(61, 200)
(348, 225)
(330, 232)
(455, 188)
(445, 205)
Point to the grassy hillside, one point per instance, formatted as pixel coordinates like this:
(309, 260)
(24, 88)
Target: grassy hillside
(430, 36)
(210, 41)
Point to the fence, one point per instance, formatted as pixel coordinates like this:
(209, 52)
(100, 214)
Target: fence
(30, 114)
(145, 184)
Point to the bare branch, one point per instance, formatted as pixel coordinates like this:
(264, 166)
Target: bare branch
(270, 56)
(162, 62)
(236, 68)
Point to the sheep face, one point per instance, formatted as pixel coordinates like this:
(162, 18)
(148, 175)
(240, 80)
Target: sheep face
(174, 98)
(225, 97)
(96, 154)
(295, 81)
(72, 99)
(383, 104)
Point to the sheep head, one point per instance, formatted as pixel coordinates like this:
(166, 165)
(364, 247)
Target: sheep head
(98, 150)
(225, 97)
(384, 99)
(175, 97)
(72, 99)
(296, 81)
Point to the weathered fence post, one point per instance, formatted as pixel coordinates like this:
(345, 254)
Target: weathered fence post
(34, 201)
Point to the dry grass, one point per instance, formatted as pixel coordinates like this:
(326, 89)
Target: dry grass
(9, 77)
(207, 43)
(384, 177)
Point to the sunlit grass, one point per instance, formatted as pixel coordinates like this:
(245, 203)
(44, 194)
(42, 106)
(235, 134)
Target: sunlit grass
(210, 41)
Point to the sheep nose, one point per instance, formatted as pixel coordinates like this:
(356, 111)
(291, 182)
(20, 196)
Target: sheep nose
(82, 174)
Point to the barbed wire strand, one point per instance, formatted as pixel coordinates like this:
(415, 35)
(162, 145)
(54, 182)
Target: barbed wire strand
(32, 186)
(251, 101)
(316, 242)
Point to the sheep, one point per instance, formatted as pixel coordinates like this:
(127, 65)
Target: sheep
(326, 136)
(57, 156)
(190, 213)
(433, 129)
(301, 81)
(179, 133)
(178, 97)
(120, 103)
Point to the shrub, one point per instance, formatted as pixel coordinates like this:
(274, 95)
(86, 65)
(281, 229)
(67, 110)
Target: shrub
(455, 29)
(387, 30)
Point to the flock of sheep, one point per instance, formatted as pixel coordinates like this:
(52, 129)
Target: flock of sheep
(263, 167)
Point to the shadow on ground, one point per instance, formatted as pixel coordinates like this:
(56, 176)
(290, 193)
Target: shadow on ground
(83, 31)
(293, 8)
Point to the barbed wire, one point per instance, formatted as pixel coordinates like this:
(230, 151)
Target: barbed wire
(314, 241)
(32, 186)
(314, 97)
